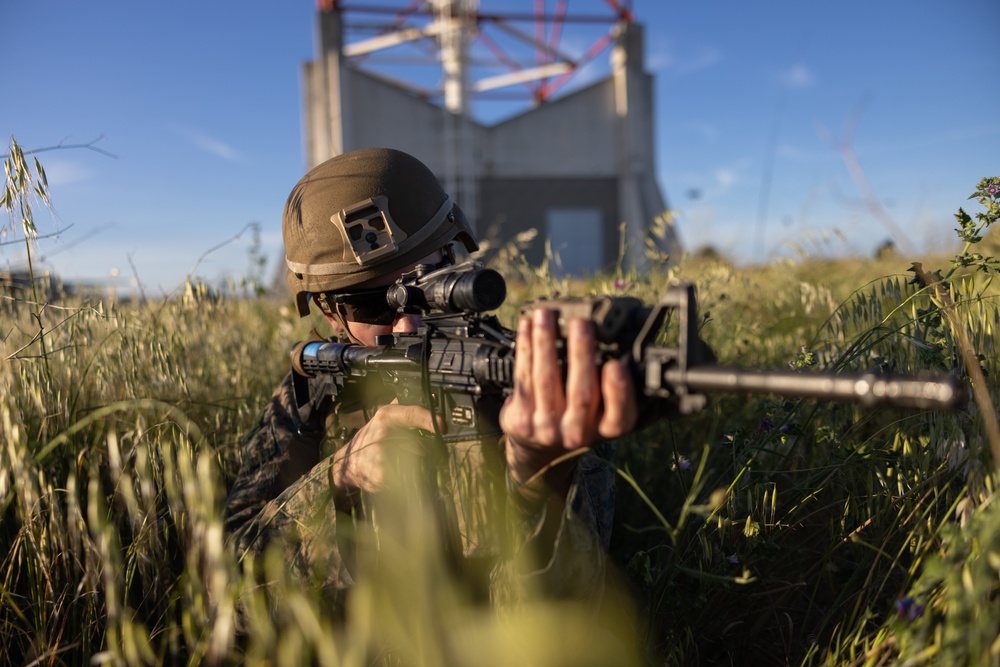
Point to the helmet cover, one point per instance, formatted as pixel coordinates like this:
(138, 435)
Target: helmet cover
(362, 215)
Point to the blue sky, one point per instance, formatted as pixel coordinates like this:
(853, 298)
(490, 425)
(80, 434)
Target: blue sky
(200, 102)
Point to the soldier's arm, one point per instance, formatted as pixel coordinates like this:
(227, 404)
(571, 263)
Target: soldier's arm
(563, 539)
(276, 454)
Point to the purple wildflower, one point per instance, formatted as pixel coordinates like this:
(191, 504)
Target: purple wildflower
(765, 424)
(681, 462)
(734, 558)
(622, 285)
(909, 609)
(992, 189)
(783, 428)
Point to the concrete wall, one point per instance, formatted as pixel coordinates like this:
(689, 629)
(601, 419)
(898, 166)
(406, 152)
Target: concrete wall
(386, 115)
(509, 206)
(574, 135)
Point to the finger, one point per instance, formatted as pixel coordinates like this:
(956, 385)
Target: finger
(546, 376)
(522, 362)
(621, 411)
(515, 415)
(583, 395)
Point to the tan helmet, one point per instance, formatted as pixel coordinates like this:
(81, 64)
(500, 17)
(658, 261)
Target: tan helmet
(362, 215)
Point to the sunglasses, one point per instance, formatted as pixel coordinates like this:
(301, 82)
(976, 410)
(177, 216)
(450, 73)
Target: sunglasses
(371, 305)
(367, 306)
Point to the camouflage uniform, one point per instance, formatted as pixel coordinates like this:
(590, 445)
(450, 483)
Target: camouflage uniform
(284, 495)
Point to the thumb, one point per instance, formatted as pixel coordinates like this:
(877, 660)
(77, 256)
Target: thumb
(410, 416)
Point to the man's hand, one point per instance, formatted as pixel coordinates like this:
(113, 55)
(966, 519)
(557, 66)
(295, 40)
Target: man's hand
(360, 464)
(543, 419)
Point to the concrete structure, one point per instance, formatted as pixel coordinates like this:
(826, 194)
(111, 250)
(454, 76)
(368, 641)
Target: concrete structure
(19, 282)
(573, 168)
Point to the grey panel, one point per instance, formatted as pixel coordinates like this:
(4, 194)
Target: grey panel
(510, 206)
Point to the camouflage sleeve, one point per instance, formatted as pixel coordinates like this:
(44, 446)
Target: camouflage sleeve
(276, 454)
(283, 496)
(566, 541)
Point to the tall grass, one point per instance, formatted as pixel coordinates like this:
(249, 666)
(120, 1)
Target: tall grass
(755, 532)
(797, 528)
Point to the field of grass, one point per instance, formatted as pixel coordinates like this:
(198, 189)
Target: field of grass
(756, 532)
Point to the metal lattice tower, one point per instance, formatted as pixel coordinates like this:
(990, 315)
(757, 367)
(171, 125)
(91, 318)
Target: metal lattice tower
(508, 103)
(479, 53)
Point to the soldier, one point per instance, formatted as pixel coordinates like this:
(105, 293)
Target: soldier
(352, 226)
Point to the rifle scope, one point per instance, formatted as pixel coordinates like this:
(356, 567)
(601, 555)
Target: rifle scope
(467, 288)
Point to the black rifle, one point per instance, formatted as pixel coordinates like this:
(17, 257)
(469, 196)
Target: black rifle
(460, 362)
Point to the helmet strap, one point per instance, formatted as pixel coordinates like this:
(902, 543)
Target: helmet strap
(333, 312)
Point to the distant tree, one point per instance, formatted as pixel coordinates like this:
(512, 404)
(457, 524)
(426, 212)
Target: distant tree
(709, 253)
(887, 250)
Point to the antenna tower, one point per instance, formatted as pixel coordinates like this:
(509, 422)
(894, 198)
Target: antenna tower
(478, 59)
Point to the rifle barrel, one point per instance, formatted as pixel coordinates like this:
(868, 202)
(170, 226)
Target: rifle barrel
(868, 389)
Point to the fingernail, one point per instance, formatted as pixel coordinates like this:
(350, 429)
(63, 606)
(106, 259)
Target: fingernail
(581, 326)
